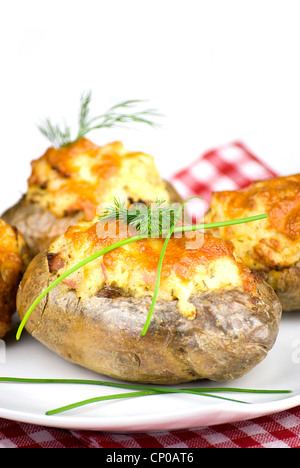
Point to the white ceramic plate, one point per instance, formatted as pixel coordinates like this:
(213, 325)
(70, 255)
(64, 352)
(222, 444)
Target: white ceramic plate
(29, 402)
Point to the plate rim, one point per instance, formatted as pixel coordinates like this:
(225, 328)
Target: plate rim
(228, 412)
(217, 412)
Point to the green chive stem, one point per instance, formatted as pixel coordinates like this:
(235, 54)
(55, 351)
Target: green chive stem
(198, 227)
(128, 395)
(96, 399)
(68, 273)
(142, 390)
(159, 268)
(138, 386)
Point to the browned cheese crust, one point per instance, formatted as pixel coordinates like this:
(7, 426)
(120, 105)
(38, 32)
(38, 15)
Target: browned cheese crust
(270, 247)
(69, 184)
(13, 258)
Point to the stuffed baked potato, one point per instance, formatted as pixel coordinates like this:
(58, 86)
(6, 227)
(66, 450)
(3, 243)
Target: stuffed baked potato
(271, 247)
(68, 184)
(13, 260)
(213, 318)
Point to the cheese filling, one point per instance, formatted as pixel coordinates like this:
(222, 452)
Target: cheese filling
(272, 243)
(133, 267)
(11, 255)
(83, 176)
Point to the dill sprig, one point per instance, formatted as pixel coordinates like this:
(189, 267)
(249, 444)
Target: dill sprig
(119, 209)
(148, 220)
(116, 115)
(57, 136)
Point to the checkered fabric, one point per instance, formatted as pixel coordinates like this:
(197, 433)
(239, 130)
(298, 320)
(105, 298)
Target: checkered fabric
(229, 167)
(281, 430)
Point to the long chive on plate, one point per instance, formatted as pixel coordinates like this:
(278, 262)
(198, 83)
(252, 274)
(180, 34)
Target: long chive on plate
(30, 402)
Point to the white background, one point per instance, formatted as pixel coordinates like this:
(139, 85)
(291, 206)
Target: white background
(218, 70)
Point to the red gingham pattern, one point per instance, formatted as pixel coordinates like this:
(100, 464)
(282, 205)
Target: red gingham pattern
(228, 167)
(281, 430)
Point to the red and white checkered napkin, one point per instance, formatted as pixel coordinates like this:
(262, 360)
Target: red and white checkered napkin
(281, 430)
(229, 167)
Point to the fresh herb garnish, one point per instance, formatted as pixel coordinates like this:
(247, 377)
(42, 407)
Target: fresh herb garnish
(147, 220)
(172, 224)
(116, 115)
(140, 223)
(141, 390)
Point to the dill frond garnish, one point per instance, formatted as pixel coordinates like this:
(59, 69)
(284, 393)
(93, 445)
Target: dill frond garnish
(115, 116)
(152, 219)
(57, 136)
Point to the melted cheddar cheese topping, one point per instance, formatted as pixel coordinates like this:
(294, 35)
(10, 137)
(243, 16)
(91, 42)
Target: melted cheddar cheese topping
(11, 245)
(191, 264)
(271, 243)
(79, 177)
(11, 261)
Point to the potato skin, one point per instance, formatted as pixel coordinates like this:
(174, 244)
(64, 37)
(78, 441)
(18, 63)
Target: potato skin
(8, 292)
(286, 284)
(40, 227)
(232, 332)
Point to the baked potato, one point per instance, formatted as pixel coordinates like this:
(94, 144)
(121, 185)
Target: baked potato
(68, 184)
(214, 319)
(13, 260)
(270, 247)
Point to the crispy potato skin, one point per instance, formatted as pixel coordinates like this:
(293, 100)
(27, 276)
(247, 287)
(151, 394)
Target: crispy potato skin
(232, 332)
(286, 283)
(40, 227)
(13, 260)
